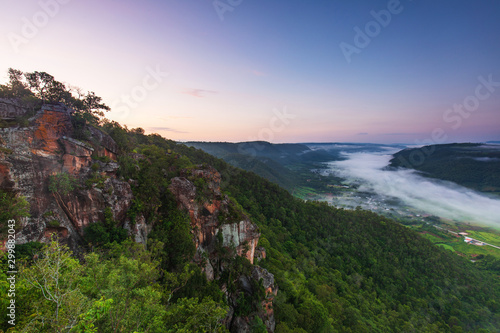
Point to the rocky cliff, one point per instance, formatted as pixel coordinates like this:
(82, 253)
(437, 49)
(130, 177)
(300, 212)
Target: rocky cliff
(32, 155)
(71, 183)
(210, 214)
(217, 221)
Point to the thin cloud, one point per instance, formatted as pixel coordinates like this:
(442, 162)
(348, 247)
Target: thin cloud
(258, 73)
(175, 117)
(363, 133)
(165, 129)
(199, 92)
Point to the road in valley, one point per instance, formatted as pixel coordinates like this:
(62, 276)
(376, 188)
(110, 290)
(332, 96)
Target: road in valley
(475, 240)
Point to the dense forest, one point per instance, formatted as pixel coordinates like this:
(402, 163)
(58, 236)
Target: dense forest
(472, 165)
(337, 270)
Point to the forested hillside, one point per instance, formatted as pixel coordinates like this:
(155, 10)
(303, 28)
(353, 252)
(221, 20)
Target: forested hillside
(333, 270)
(287, 165)
(356, 270)
(473, 165)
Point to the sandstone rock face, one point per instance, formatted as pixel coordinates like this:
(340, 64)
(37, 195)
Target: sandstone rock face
(208, 211)
(267, 315)
(104, 144)
(260, 253)
(77, 155)
(50, 126)
(31, 155)
(242, 234)
(240, 325)
(10, 109)
(86, 206)
(213, 220)
(139, 230)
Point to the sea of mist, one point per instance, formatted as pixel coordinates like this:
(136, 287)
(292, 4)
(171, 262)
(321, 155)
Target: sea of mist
(440, 198)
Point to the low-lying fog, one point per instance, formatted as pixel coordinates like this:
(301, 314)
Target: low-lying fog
(444, 199)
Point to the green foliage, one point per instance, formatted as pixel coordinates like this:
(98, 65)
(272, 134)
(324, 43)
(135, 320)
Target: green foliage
(54, 223)
(116, 291)
(51, 300)
(135, 209)
(490, 263)
(337, 269)
(28, 250)
(191, 315)
(128, 277)
(16, 88)
(96, 179)
(202, 190)
(196, 285)
(48, 214)
(257, 326)
(96, 312)
(174, 230)
(104, 159)
(235, 212)
(12, 207)
(35, 88)
(243, 305)
(61, 183)
(105, 232)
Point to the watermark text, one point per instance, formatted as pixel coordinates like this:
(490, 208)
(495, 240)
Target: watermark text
(11, 273)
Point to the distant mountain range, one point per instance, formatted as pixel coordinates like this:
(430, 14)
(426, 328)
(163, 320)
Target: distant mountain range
(286, 164)
(271, 161)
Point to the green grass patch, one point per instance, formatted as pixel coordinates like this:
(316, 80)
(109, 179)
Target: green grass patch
(446, 246)
(305, 193)
(431, 237)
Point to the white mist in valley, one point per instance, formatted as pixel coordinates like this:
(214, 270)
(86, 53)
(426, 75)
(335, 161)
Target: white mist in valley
(440, 198)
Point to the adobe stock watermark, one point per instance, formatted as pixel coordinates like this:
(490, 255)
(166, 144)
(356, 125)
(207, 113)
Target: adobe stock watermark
(39, 20)
(11, 273)
(454, 118)
(223, 6)
(278, 122)
(151, 81)
(373, 28)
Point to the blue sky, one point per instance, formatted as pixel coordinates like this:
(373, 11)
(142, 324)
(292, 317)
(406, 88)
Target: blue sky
(231, 79)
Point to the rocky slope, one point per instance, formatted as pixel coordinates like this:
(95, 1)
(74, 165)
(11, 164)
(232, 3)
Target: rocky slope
(32, 155)
(70, 183)
(217, 222)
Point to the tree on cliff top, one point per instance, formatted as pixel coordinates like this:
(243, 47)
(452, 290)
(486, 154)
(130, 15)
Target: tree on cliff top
(42, 87)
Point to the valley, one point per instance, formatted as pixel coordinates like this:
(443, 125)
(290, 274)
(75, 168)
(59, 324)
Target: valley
(364, 176)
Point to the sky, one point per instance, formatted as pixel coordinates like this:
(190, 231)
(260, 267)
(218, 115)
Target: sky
(409, 71)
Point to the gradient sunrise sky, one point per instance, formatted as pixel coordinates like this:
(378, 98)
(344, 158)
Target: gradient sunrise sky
(233, 64)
